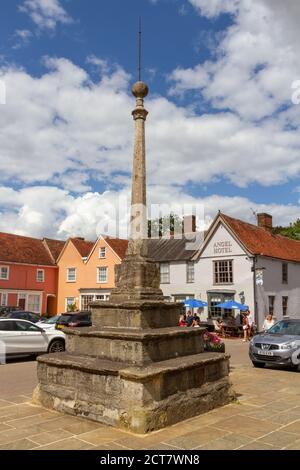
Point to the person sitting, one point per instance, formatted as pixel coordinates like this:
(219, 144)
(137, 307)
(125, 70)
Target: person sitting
(196, 322)
(219, 326)
(189, 318)
(182, 320)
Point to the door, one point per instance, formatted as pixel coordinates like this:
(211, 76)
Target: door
(9, 338)
(22, 303)
(30, 338)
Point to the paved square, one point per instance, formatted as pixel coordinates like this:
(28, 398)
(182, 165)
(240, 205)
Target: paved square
(266, 416)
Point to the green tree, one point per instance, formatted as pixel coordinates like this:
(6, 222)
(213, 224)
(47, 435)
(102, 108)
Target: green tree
(293, 231)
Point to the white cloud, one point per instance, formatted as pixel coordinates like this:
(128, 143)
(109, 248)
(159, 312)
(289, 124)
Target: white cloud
(49, 211)
(46, 13)
(256, 61)
(212, 8)
(22, 38)
(62, 127)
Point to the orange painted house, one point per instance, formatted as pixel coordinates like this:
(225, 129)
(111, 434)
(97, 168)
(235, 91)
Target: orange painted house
(28, 273)
(86, 271)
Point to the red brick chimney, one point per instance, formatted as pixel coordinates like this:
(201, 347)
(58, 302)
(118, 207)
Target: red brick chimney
(189, 223)
(265, 221)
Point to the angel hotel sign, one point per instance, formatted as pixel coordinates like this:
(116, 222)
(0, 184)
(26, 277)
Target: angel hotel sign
(222, 248)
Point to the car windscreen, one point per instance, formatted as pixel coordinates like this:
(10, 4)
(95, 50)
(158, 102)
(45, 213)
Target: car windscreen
(52, 320)
(285, 328)
(65, 318)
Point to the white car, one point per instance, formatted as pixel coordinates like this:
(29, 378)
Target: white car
(21, 337)
(49, 323)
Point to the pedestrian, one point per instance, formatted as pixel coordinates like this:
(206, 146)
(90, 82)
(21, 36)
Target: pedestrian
(268, 322)
(251, 323)
(245, 327)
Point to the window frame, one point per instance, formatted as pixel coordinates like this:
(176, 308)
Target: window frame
(271, 305)
(229, 272)
(66, 302)
(284, 298)
(100, 255)
(167, 274)
(68, 272)
(99, 268)
(6, 299)
(191, 279)
(4, 278)
(284, 273)
(37, 275)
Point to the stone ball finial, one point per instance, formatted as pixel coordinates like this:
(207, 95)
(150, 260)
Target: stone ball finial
(140, 90)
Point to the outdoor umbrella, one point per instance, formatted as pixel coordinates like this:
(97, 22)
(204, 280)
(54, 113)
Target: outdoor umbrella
(232, 304)
(194, 303)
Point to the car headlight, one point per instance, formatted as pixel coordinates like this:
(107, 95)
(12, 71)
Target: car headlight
(291, 345)
(252, 341)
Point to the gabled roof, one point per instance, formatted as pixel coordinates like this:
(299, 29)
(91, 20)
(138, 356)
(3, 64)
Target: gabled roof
(173, 249)
(259, 241)
(82, 246)
(118, 245)
(55, 247)
(25, 250)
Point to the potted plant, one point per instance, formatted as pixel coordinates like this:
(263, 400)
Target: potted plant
(212, 342)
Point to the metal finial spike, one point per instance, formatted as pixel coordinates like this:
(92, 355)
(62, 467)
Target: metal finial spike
(140, 50)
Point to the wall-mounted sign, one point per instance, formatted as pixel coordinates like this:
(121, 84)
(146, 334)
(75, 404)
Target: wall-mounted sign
(222, 247)
(259, 277)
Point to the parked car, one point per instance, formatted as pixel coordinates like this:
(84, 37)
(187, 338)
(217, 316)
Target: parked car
(47, 323)
(21, 337)
(277, 345)
(7, 309)
(74, 319)
(23, 315)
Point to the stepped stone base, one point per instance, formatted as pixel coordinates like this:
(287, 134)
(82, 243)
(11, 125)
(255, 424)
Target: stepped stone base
(138, 399)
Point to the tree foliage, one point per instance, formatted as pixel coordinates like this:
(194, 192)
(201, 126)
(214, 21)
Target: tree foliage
(293, 231)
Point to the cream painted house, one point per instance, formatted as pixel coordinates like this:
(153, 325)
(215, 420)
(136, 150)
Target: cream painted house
(86, 271)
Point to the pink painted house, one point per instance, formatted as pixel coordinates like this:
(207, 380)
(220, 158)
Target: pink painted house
(28, 273)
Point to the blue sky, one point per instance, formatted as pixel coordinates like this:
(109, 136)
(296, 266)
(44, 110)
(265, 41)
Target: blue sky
(222, 129)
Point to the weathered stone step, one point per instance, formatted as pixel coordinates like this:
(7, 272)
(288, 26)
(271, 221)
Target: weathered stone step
(135, 346)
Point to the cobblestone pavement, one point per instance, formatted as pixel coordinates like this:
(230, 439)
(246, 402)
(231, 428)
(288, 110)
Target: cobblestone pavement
(266, 416)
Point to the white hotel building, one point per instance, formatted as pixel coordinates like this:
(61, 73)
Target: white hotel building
(239, 261)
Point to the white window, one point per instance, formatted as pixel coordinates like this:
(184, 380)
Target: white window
(4, 298)
(34, 303)
(165, 273)
(190, 271)
(85, 301)
(223, 272)
(102, 275)
(40, 275)
(102, 252)
(71, 274)
(70, 304)
(4, 273)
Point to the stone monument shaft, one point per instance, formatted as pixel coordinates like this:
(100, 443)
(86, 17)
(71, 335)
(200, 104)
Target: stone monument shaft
(138, 219)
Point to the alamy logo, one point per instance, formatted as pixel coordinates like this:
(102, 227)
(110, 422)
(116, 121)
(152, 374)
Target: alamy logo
(2, 92)
(296, 94)
(2, 352)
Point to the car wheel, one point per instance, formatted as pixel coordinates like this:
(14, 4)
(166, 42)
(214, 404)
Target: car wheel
(258, 364)
(56, 346)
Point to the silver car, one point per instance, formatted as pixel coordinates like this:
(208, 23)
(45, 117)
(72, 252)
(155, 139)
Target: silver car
(279, 345)
(21, 337)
